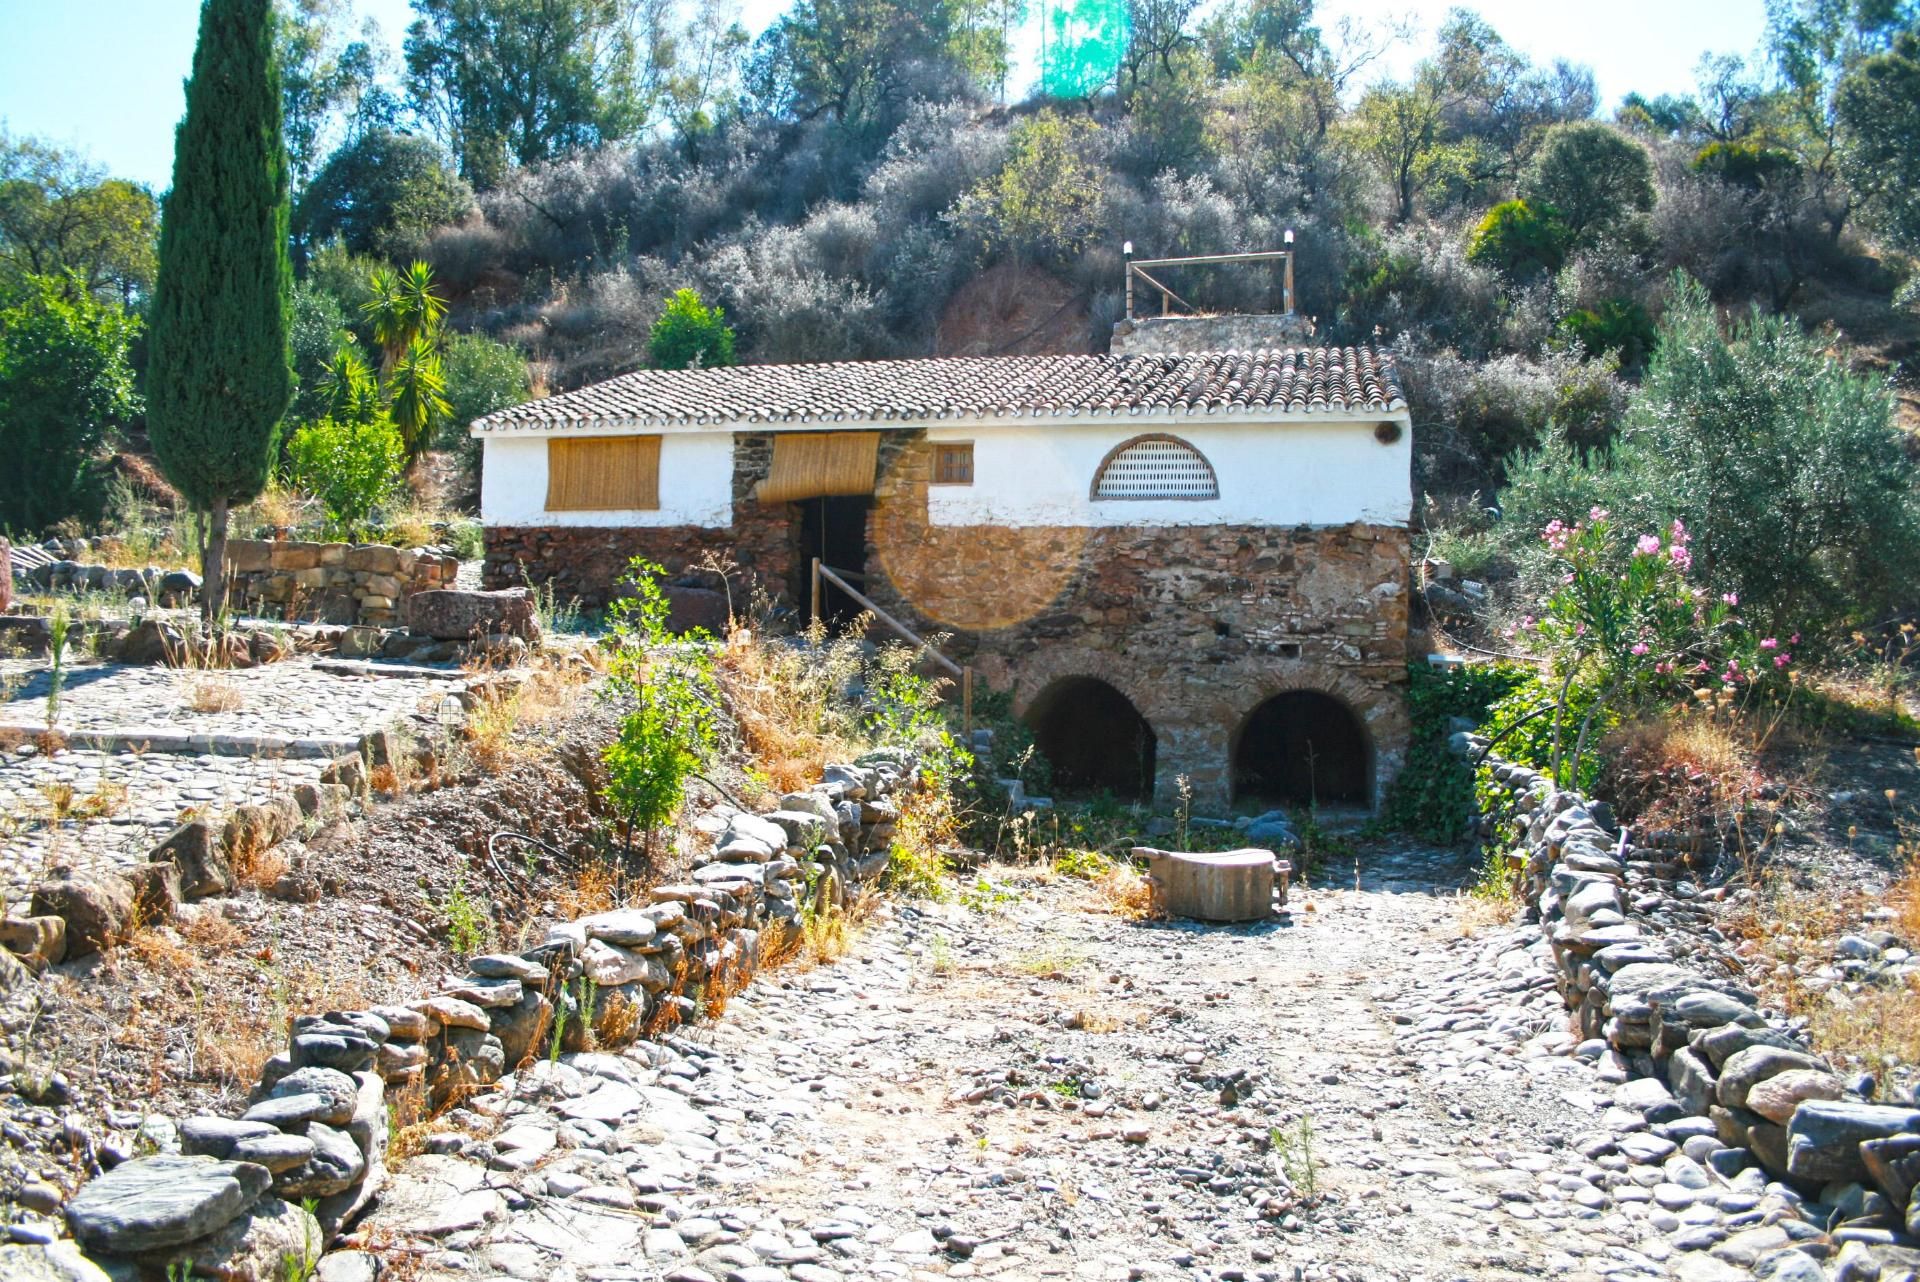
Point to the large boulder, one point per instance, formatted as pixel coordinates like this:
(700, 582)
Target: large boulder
(98, 914)
(450, 614)
(689, 608)
(162, 1201)
(151, 641)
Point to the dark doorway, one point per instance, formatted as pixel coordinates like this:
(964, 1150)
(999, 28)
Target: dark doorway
(1301, 748)
(1095, 738)
(835, 530)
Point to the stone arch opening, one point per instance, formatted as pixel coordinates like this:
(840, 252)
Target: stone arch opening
(1095, 738)
(1303, 748)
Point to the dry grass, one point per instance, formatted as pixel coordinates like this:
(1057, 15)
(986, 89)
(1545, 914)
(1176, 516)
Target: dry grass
(509, 721)
(619, 1021)
(208, 691)
(1127, 893)
(790, 704)
(594, 888)
(161, 949)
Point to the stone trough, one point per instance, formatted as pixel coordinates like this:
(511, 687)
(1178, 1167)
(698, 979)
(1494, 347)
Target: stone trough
(1217, 886)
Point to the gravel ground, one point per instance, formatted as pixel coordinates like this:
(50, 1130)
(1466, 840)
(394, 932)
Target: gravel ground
(1028, 1087)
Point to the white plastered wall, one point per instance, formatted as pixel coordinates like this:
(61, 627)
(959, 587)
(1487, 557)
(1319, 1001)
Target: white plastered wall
(696, 483)
(1316, 472)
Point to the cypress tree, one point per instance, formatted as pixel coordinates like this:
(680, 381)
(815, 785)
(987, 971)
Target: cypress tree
(219, 372)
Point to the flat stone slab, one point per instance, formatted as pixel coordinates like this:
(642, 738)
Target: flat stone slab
(162, 1201)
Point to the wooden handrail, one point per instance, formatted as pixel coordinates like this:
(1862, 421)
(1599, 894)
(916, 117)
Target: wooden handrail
(822, 572)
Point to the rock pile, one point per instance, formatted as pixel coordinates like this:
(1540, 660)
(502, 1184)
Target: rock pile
(1647, 976)
(231, 1197)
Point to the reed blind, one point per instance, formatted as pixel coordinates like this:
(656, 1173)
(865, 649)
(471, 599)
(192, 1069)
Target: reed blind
(604, 474)
(809, 465)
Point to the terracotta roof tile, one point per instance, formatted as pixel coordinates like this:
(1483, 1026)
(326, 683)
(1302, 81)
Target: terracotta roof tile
(1288, 380)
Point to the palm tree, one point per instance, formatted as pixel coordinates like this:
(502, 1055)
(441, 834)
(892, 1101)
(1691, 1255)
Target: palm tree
(352, 394)
(403, 307)
(417, 394)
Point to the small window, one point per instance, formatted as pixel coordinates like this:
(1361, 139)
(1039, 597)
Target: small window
(1156, 467)
(604, 474)
(953, 464)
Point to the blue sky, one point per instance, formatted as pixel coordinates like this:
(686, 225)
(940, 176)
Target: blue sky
(104, 76)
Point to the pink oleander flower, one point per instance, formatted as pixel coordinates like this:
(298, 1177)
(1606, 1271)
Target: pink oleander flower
(1794, 639)
(1648, 544)
(1731, 598)
(1663, 668)
(1679, 532)
(1782, 660)
(1579, 629)
(1598, 514)
(1769, 643)
(1678, 554)
(1702, 666)
(1641, 647)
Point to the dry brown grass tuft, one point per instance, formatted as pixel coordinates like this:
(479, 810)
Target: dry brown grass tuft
(1129, 894)
(594, 888)
(619, 1021)
(207, 691)
(212, 932)
(1878, 1027)
(161, 949)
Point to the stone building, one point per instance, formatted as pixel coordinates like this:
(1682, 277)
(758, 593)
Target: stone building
(1177, 562)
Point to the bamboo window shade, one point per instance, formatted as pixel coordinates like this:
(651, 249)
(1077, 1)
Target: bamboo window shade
(604, 474)
(811, 465)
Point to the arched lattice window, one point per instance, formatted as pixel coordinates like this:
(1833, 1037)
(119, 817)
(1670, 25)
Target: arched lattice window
(1156, 467)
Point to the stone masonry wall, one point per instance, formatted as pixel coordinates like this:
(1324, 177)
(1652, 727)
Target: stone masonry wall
(332, 582)
(1196, 625)
(1161, 335)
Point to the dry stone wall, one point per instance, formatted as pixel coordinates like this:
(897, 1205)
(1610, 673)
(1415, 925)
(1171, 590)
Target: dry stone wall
(234, 1201)
(332, 582)
(1646, 975)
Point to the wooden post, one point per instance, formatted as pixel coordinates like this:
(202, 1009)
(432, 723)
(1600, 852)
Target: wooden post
(816, 591)
(966, 703)
(1286, 289)
(1129, 286)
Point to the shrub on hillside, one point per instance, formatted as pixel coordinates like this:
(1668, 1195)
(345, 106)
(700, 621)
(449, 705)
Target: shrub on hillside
(690, 334)
(1520, 238)
(1787, 468)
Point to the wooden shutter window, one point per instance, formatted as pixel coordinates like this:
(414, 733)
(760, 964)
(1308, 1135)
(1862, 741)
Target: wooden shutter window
(604, 474)
(953, 464)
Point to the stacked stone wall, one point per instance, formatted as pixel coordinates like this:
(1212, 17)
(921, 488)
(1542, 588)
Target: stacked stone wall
(332, 582)
(1651, 980)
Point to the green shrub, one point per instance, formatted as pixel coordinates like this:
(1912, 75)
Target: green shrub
(1745, 164)
(65, 385)
(669, 732)
(689, 334)
(1614, 325)
(1787, 469)
(1519, 239)
(350, 467)
(1433, 793)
